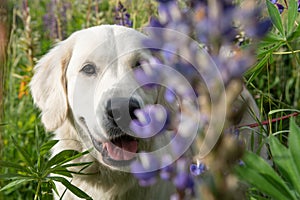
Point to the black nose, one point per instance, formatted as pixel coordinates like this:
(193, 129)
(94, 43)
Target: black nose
(120, 111)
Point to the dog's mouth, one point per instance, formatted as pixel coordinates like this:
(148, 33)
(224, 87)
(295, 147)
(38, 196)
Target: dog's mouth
(118, 151)
(121, 148)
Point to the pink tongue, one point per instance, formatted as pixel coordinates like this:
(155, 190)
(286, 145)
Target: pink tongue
(121, 150)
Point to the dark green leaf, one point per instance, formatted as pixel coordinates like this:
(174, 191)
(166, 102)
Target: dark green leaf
(14, 184)
(292, 14)
(16, 166)
(63, 172)
(13, 176)
(45, 148)
(64, 157)
(283, 160)
(294, 34)
(294, 144)
(78, 192)
(260, 182)
(24, 153)
(275, 17)
(259, 169)
(256, 70)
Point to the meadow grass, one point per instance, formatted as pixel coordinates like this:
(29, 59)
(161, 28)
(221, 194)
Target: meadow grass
(274, 81)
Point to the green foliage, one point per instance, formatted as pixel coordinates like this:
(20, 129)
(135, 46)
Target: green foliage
(283, 181)
(275, 78)
(27, 172)
(40, 172)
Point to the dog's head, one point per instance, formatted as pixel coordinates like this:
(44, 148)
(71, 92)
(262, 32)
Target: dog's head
(89, 78)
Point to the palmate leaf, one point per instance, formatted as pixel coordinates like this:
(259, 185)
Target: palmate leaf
(260, 174)
(283, 159)
(78, 192)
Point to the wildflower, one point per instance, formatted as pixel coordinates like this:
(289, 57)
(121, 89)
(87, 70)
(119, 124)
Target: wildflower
(197, 169)
(152, 120)
(122, 17)
(146, 170)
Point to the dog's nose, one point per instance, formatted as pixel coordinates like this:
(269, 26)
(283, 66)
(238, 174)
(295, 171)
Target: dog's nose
(120, 111)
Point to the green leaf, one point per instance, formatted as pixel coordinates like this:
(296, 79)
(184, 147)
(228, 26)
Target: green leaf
(45, 148)
(257, 171)
(294, 34)
(78, 192)
(261, 182)
(64, 157)
(63, 172)
(53, 186)
(24, 153)
(256, 70)
(294, 144)
(275, 17)
(292, 14)
(14, 184)
(283, 160)
(12, 165)
(13, 176)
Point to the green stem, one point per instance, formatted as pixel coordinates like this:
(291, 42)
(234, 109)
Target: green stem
(297, 74)
(37, 190)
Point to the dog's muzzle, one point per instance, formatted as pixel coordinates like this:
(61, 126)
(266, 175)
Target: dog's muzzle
(121, 145)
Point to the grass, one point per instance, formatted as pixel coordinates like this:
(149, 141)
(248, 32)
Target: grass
(274, 81)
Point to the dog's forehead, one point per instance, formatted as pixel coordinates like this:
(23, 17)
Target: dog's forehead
(106, 43)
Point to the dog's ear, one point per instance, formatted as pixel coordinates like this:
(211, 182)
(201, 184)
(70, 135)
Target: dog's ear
(48, 85)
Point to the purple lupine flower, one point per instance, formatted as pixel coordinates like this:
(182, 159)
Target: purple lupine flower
(50, 20)
(197, 169)
(183, 180)
(122, 17)
(167, 172)
(151, 120)
(181, 64)
(241, 163)
(145, 170)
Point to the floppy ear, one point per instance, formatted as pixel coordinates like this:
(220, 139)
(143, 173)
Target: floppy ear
(48, 85)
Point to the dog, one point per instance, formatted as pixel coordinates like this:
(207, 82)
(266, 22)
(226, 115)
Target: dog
(85, 88)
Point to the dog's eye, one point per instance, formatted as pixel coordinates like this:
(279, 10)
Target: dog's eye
(89, 69)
